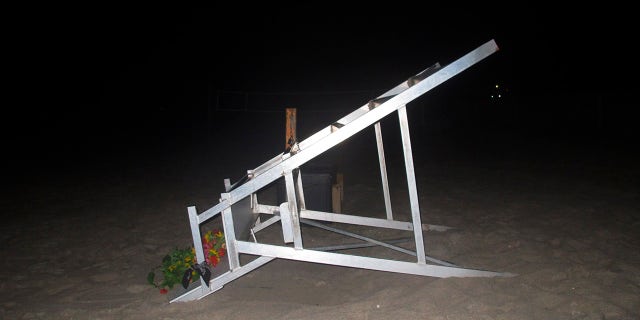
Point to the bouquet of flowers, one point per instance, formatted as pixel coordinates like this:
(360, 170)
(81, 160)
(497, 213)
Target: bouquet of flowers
(180, 265)
(214, 247)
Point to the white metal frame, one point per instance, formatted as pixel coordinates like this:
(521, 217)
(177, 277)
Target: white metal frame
(240, 210)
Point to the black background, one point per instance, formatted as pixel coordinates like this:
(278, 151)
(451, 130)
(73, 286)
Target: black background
(103, 81)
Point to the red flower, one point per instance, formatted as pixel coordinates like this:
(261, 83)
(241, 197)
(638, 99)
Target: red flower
(163, 291)
(213, 260)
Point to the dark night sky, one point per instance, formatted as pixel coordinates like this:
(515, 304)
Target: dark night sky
(97, 71)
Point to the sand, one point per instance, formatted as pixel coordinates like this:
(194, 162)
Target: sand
(79, 240)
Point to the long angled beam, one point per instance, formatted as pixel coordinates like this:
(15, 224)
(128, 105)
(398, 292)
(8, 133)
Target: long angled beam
(360, 237)
(376, 242)
(372, 116)
(357, 245)
(344, 260)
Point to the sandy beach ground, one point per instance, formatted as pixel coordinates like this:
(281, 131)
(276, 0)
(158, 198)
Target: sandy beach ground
(79, 240)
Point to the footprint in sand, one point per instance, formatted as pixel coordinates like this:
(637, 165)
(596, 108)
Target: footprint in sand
(105, 277)
(137, 288)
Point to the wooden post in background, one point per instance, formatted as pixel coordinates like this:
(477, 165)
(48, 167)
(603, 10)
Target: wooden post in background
(290, 138)
(337, 193)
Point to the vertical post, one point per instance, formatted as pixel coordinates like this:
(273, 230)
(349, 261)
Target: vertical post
(337, 194)
(195, 233)
(285, 222)
(290, 137)
(230, 235)
(383, 171)
(293, 208)
(197, 241)
(300, 191)
(411, 182)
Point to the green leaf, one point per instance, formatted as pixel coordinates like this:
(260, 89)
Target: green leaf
(151, 279)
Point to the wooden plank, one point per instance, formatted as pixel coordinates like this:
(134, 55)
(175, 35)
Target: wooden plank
(290, 137)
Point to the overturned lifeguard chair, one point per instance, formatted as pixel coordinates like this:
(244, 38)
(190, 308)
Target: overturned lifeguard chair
(242, 215)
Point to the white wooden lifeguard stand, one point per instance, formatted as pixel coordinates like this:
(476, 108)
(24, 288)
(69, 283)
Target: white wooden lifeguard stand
(241, 213)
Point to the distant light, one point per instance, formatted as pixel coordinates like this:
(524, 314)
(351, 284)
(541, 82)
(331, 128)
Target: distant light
(491, 96)
(499, 96)
(497, 86)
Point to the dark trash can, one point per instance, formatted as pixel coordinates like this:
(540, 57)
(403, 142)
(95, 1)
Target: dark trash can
(316, 182)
